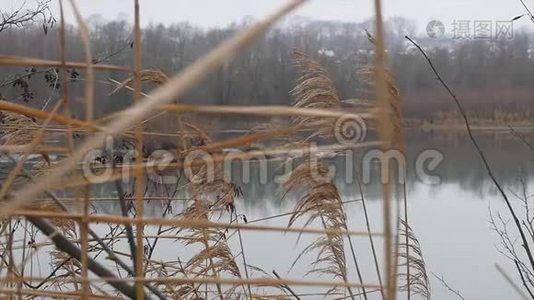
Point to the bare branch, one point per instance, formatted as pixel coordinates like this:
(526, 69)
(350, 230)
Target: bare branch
(442, 280)
(22, 15)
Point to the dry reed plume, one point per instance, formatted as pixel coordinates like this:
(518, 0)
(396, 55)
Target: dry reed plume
(215, 257)
(320, 199)
(314, 89)
(418, 279)
(155, 76)
(16, 129)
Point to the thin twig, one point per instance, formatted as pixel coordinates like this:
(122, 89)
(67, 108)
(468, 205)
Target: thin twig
(245, 265)
(124, 211)
(285, 286)
(386, 133)
(18, 17)
(89, 92)
(521, 137)
(371, 242)
(406, 240)
(139, 178)
(442, 280)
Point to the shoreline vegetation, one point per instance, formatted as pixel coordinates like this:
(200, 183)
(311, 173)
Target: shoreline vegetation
(476, 124)
(493, 77)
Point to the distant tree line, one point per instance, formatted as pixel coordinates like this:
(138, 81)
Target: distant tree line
(494, 78)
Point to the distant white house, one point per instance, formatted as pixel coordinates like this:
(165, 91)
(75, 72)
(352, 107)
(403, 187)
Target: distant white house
(326, 52)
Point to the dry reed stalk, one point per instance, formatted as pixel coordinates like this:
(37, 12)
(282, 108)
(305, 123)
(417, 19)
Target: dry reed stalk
(394, 108)
(32, 293)
(139, 178)
(156, 76)
(99, 218)
(243, 256)
(389, 128)
(158, 120)
(371, 241)
(270, 110)
(64, 81)
(259, 110)
(323, 116)
(397, 142)
(249, 139)
(223, 281)
(9, 149)
(174, 88)
(7, 106)
(275, 110)
(89, 116)
(26, 61)
(122, 236)
(66, 107)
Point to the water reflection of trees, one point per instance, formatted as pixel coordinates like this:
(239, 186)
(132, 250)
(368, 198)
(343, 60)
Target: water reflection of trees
(509, 158)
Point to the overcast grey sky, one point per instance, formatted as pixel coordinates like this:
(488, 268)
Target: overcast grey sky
(209, 13)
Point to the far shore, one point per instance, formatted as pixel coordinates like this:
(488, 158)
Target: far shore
(475, 124)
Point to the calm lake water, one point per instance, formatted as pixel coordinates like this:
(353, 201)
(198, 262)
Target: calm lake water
(450, 219)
